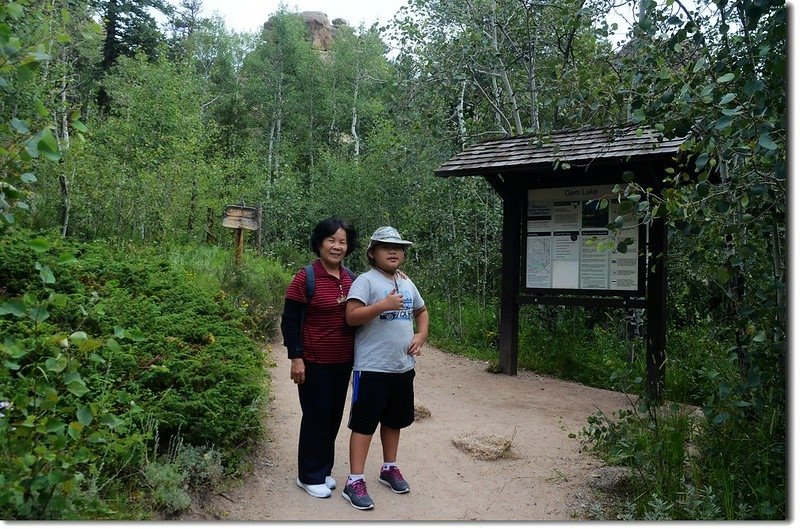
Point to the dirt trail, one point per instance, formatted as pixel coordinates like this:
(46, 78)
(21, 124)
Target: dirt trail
(546, 477)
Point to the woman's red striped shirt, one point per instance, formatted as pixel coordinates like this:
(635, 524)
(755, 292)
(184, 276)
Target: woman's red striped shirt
(327, 339)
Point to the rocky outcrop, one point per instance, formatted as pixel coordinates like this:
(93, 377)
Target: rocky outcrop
(320, 30)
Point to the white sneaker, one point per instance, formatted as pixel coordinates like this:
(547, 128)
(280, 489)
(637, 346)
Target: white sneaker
(318, 491)
(330, 482)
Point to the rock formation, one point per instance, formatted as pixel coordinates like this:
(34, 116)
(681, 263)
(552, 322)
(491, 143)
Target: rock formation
(319, 28)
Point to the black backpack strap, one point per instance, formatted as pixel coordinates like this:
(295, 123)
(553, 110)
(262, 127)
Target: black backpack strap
(310, 279)
(350, 273)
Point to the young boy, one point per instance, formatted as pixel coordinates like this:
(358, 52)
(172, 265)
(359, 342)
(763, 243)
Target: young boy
(382, 303)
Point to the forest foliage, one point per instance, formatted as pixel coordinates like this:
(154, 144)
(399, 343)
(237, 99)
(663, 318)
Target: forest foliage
(123, 138)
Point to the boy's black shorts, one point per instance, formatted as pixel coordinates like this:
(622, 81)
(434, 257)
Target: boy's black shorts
(386, 398)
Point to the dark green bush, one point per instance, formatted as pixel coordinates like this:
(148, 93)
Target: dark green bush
(102, 348)
(256, 287)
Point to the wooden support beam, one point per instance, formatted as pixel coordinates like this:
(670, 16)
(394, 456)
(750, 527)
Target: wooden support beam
(581, 301)
(509, 283)
(657, 310)
(499, 187)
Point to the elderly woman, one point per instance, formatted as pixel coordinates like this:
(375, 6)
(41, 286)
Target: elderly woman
(320, 346)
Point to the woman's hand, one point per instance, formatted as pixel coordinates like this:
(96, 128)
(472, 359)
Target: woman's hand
(298, 371)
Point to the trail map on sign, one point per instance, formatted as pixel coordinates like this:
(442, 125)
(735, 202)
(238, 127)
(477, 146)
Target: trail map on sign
(564, 226)
(540, 268)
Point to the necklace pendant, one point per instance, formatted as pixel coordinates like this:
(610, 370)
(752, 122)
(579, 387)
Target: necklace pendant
(341, 299)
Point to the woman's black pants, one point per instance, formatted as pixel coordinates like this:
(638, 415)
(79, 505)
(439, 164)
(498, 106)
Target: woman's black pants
(322, 398)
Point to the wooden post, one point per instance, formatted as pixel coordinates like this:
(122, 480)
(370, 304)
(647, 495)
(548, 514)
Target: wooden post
(657, 310)
(238, 235)
(240, 218)
(509, 285)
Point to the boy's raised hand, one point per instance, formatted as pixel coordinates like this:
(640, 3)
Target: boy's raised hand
(393, 300)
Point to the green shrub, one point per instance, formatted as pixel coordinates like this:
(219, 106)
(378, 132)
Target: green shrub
(652, 442)
(98, 347)
(468, 329)
(203, 466)
(559, 342)
(292, 256)
(256, 287)
(166, 482)
(727, 463)
(178, 472)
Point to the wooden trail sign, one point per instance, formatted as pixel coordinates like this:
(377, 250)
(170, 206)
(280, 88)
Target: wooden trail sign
(240, 218)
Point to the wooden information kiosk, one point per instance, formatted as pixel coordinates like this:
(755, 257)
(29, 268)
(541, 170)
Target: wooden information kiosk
(560, 200)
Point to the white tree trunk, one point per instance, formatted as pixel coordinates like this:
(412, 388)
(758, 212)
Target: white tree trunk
(64, 140)
(462, 126)
(332, 129)
(66, 204)
(354, 120)
(270, 149)
(498, 116)
(503, 72)
(278, 124)
(64, 113)
(532, 84)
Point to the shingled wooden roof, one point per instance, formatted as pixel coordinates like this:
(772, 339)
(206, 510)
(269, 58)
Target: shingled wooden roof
(579, 147)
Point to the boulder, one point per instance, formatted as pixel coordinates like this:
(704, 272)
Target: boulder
(610, 479)
(320, 30)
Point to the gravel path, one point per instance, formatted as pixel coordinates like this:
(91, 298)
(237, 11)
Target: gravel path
(543, 477)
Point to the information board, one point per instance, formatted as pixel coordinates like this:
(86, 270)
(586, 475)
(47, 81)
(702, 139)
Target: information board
(563, 226)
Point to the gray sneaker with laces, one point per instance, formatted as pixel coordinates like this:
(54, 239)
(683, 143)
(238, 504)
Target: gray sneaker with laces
(393, 479)
(356, 494)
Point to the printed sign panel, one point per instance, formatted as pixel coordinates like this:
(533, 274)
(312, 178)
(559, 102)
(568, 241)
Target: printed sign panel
(569, 245)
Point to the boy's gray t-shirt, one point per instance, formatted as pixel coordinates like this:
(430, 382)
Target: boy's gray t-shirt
(382, 343)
